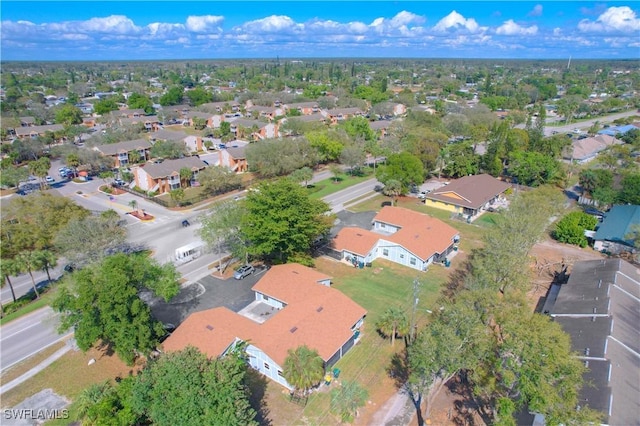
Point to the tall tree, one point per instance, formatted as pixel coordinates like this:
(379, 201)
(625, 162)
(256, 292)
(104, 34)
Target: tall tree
(9, 268)
(353, 156)
(102, 234)
(303, 368)
(185, 176)
(220, 228)
(202, 391)
(405, 168)
(28, 262)
(302, 175)
(46, 259)
(281, 220)
(346, 400)
(177, 196)
(393, 323)
(102, 303)
(40, 168)
(218, 180)
(393, 188)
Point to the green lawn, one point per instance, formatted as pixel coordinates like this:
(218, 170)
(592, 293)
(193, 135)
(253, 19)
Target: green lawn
(46, 297)
(329, 186)
(376, 288)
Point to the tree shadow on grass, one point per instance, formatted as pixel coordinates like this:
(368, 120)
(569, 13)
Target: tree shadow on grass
(257, 384)
(398, 369)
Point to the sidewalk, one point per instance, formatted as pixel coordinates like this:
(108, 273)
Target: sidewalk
(38, 368)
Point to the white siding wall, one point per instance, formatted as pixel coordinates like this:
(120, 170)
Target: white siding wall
(261, 362)
(143, 181)
(385, 227)
(269, 300)
(399, 254)
(325, 282)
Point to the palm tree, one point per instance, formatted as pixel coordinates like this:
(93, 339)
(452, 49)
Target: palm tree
(27, 261)
(134, 205)
(346, 400)
(46, 259)
(393, 323)
(40, 168)
(91, 396)
(303, 368)
(392, 189)
(9, 267)
(73, 161)
(185, 176)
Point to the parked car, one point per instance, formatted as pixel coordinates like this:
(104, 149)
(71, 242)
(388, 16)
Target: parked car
(243, 271)
(118, 182)
(49, 179)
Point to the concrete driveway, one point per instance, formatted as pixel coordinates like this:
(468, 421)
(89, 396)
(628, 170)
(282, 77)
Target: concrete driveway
(207, 293)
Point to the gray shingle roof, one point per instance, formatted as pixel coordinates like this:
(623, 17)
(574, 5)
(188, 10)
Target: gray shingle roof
(125, 146)
(167, 167)
(600, 308)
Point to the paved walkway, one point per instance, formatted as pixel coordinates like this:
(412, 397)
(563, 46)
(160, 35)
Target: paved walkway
(35, 370)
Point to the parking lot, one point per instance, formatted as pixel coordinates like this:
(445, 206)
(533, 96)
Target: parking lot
(207, 293)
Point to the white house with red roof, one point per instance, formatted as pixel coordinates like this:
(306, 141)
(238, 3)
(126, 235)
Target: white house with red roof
(400, 235)
(295, 305)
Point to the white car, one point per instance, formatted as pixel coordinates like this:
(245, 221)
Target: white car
(49, 179)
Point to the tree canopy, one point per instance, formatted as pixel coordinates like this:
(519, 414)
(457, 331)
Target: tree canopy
(404, 168)
(102, 303)
(281, 220)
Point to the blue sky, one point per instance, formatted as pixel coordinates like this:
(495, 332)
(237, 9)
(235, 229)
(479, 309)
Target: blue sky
(123, 30)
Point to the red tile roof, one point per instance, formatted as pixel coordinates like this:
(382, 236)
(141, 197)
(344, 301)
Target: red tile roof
(419, 233)
(356, 240)
(316, 315)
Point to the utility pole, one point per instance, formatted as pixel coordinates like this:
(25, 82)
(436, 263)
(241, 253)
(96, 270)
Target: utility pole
(414, 309)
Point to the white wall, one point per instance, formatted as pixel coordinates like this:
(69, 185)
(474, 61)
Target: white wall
(260, 361)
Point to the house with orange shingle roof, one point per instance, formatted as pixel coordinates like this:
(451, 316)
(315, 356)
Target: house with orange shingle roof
(400, 235)
(295, 305)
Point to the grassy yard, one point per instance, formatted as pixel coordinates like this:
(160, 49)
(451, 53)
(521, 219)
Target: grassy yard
(384, 284)
(329, 186)
(46, 297)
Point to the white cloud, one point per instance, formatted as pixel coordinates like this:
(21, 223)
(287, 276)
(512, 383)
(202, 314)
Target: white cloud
(615, 19)
(271, 24)
(536, 11)
(405, 18)
(206, 23)
(510, 28)
(454, 20)
(114, 24)
(161, 29)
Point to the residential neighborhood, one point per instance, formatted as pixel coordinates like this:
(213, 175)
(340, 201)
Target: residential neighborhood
(342, 241)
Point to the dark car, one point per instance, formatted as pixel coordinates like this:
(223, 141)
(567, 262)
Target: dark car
(185, 223)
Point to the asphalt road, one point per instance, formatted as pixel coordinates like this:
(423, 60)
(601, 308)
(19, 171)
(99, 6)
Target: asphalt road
(27, 336)
(585, 125)
(337, 200)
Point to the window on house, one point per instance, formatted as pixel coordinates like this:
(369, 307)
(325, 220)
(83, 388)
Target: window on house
(280, 373)
(402, 256)
(382, 225)
(413, 261)
(385, 252)
(266, 366)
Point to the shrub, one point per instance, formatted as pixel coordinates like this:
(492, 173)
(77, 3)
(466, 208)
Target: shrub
(570, 229)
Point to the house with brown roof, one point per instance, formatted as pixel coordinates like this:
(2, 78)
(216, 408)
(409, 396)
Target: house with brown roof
(380, 127)
(151, 122)
(269, 113)
(164, 176)
(192, 142)
(35, 131)
(584, 150)
(304, 108)
(234, 158)
(340, 114)
(468, 196)
(294, 306)
(400, 235)
(121, 151)
(245, 128)
(27, 121)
